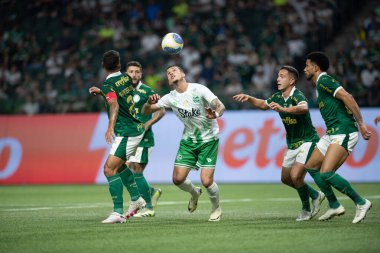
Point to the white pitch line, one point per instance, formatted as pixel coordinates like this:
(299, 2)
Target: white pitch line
(163, 203)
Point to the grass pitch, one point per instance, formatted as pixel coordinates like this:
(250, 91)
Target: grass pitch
(256, 218)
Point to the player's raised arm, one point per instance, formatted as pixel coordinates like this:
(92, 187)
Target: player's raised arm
(351, 104)
(258, 103)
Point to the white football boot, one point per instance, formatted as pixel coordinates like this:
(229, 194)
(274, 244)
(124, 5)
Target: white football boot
(114, 218)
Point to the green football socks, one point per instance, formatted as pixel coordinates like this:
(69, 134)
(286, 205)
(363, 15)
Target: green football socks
(144, 189)
(313, 194)
(116, 190)
(129, 182)
(343, 186)
(303, 192)
(325, 187)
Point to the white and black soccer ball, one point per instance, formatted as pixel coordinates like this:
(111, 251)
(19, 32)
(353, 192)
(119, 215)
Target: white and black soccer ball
(172, 43)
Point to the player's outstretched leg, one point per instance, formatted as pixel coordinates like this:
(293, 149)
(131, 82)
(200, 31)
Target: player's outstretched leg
(335, 208)
(342, 185)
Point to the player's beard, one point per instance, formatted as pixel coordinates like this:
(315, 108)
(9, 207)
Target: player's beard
(308, 77)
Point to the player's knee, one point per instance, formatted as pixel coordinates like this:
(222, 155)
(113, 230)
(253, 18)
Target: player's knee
(297, 178)
(137, 168)
(178, 180)
(286, 181)
(108, 171)
(207, 182)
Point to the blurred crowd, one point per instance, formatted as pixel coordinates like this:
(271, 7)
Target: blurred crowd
(50, 51)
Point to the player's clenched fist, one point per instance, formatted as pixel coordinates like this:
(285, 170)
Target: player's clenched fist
(153, 99)
(94, 90)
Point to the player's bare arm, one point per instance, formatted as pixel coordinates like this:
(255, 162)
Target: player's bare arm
(258, 103)
(113, 112)
(301, 108)
(150, 106)
(156, 117)
(94, 90)
(215, 110)
(351, 104)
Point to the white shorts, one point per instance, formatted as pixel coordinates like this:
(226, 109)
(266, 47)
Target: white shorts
(347, 141)
(142, 155)
(300, 154)
(124, 147)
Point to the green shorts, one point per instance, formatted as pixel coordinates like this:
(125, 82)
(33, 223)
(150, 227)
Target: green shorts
(197, 155)
(124, 147)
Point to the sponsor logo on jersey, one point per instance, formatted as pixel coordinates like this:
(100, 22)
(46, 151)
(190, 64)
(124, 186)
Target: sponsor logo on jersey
(187, 114)
(136, 98)
(209, 160)
(323, 87)
(196, 99)
(122, 81)
(289, 121)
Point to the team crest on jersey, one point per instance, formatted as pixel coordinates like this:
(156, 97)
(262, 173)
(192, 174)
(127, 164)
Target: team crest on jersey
(129, 98)
(136, 98)
(196, 99)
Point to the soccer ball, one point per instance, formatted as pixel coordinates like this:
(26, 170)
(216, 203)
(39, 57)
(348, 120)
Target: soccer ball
(172, 43)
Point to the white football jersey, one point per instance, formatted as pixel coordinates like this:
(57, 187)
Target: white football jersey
(189, 107)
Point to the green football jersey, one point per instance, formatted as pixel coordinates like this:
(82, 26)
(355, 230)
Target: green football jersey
(299, 128)
(127, 123)
(140, 96)
(338, 119)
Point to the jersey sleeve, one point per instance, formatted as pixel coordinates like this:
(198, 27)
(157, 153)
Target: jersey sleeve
(206, 93)
(108, 92)
(299, 99)
(329, 85)
(164, 102)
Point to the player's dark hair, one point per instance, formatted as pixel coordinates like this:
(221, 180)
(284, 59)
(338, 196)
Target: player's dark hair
(320, 59)
(134, 64)
(171, 66)
(293, 71)
(111, 60)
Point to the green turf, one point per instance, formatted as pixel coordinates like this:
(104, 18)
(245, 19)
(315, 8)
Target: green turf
(256, 218)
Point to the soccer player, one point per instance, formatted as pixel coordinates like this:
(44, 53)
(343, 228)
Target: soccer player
(301, 136)
(125, 131)
(342, 117)
(197, 107)
(140, 159)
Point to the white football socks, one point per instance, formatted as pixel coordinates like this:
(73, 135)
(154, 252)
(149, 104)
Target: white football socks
(213, 194)
(188, 186)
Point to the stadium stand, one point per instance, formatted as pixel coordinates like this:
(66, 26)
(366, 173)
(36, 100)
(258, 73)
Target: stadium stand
(50, 51)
